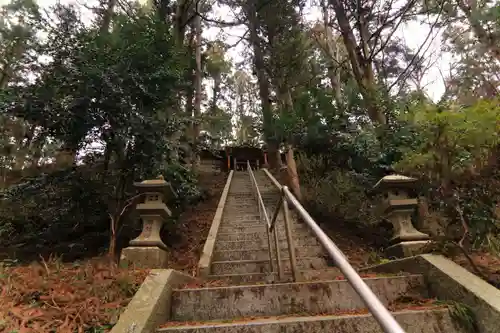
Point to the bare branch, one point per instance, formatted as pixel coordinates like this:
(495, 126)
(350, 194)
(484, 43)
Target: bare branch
(382, 24)
(222, 22)
(378, 33)
(431, 30)
(239, 40)
(116, 219)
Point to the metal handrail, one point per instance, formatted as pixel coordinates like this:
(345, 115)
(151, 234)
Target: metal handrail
(263, 216)
(273, 233)
(374, 305)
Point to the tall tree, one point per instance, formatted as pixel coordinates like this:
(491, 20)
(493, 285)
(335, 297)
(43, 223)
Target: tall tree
(251, 10)
(367, 27)
(285, 46)
(198, 76)
(109, 6)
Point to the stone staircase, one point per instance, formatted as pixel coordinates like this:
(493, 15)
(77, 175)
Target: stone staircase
(249, 297)
(241, 248)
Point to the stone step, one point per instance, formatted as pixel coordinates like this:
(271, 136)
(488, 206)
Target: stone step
(225, 228)
(246, 279)
(238, 195)
(428, 321)
(256, 278)
(321, 274)
(243, 199)
(240, 218)
(256, 229)
(238, 211)
(239, 207)
(240, 234)
(242, 191)
(257, 223)
(262, 266)
(242, 224)
(270, 199)
(243, 219)
(230, 233)
(246, 201)
(262, 254)
(262, 243)
(231, 213)
(241, 255)
(296, 227)
(280, 299)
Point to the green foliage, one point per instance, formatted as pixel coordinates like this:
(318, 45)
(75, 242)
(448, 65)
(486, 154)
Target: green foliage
(54, 209)
(456, 145)
(114, 80)
(184, 182)
(464, 316)
(420, 138)
(217, 123)
(453, 138)
(340, 194)
(116, 89)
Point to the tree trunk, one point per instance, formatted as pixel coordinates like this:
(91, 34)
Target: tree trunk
(180, 20)
(112, 242)
(263, 82)
(15, 53)
(333, 73)
(215, 95)
(37, 150)
(197, 97)
(273, 154)
(293, 176)
(361, 65)
(106, 17)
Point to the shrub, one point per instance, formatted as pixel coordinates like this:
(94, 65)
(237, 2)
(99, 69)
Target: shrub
(340, 197)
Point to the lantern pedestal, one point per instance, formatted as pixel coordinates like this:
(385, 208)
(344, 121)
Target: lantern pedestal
(144, 257)
(407, 249)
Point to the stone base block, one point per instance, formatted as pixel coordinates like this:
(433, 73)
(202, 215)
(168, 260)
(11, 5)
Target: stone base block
(144, 257)
(407, 249)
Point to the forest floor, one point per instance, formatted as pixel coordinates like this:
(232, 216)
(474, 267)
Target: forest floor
(89, 295)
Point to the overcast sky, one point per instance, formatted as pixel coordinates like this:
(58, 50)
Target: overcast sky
(414, 35)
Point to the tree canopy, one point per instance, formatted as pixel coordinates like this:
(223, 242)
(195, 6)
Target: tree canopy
(90, 104)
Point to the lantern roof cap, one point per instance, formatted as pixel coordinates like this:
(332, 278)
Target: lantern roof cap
(155, 185)
(395, 181)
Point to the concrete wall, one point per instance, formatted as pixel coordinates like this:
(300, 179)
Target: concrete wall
(151, 305)
(448, 281)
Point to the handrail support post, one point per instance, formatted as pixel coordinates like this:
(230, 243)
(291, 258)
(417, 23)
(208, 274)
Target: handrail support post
(263, 216)
(289, 237)
(278, 254)
(277, 211)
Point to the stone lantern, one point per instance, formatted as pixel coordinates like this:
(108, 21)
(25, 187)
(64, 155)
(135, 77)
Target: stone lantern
(148, 250)
(398, 206)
